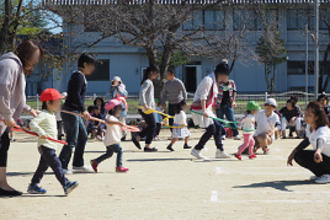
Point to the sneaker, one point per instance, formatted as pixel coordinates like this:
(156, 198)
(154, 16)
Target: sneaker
(70, 186)
(266, 150)
(237, 138)
(135, 141)
(35, 189)
(121, 169)
(312, 178)
(252, 156)
(221, 154)
(94, 165)
(186, 146)
(6, 193)
(198, 154)
(239, 157)
(82, 169)
(323, 179)
(147, 149)
(169, 147)
(67, 172)
(223, 137)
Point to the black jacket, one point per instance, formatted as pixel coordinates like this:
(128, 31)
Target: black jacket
(75, 100)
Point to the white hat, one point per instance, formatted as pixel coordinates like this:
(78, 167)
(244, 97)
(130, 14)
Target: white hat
(272, 102)
(116, 78)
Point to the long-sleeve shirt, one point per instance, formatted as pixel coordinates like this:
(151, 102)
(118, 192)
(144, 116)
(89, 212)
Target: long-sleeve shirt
(75, 100)
(319, 138)
(45, 124)
(173, 91)
(12, 89)
(146, 95)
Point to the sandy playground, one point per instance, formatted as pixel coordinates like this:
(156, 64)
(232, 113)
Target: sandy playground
(170, 185)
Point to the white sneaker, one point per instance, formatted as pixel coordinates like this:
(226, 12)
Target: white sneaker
(198, 154)
(67, 172)
(221, 154)
(82, 169)
(237, 138)
(223, 137)
(323, 179)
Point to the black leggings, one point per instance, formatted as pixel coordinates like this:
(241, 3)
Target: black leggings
(4, 146)
(305, 158)
(149, 131)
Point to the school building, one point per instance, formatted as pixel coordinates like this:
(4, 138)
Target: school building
(129, 62)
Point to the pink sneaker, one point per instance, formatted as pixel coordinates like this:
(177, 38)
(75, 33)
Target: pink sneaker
(121, 169)
(252, 156)
(239, 157)
(94, 165)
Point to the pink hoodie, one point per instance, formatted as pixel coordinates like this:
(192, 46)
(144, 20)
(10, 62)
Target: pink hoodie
(12, 89)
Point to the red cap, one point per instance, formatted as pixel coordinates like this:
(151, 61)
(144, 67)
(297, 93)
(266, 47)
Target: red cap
(50, 95)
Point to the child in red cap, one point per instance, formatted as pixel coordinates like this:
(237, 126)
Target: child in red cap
(45, 126)
(113, 134)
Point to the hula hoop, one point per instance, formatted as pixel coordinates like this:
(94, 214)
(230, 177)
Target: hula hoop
(151, 110)
(20, 129)
(131, 129)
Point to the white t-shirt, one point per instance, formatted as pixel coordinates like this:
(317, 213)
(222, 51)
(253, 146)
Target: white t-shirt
(181, 118)
(113, 133)
(265, 123)
(248, 123)
(323, 134)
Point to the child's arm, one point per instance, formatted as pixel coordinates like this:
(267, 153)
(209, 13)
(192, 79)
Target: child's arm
(111, 122)
(34, 125)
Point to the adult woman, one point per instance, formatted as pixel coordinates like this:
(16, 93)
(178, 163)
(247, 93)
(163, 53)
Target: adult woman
(204, 98)
(318, 135)
(147, 100)
(13, 66)
(118, 89)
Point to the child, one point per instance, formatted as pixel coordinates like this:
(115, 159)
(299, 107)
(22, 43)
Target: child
(45, 125)
(180, 120)
(291, 118)
(248, 124)
(266, 126)
(96, 129)
(113, 136)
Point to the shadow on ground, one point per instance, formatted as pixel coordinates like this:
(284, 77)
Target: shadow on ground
(279, 185)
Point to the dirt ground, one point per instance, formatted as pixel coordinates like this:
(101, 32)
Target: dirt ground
(166, 185)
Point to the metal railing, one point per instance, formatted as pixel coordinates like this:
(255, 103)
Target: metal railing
(240, 108)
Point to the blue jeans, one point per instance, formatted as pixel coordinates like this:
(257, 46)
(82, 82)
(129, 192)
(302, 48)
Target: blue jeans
(216, 130)
(227, 110)
(76, 136)
(110, 150)
(49, 159)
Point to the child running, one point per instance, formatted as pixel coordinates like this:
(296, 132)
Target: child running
(113, 136)
(45, 126)
(247, 124)
(180, 121)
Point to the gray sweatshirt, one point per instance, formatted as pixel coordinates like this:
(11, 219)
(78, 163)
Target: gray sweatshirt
(12, 89)
(146, 95)
(173, 91)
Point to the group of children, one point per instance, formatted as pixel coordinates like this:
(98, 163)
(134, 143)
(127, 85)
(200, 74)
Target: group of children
(258, 126)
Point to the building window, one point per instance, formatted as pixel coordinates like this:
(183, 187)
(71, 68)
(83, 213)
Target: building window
(298, 18)
(101, 73)
(211, 20)
(298, 67)
(214, 20)
(253, 20)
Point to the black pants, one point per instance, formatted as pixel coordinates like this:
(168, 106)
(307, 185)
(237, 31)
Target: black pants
(305, 158)
(216, 130)
(158, 127)
(49, 159)
(172, 108)
(149, 131)
(115, 148)
(4, 146)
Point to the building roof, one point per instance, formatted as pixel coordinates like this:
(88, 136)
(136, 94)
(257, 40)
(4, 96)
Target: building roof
(174, 2)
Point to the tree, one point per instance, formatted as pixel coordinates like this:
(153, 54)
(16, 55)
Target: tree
(271, 52)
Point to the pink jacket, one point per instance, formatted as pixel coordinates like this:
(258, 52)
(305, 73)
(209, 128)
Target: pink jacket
(12, 88)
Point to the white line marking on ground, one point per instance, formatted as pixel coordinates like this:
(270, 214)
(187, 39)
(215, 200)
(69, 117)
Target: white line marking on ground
(214, 196)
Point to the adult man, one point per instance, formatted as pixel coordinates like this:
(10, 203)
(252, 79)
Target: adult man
(174, 92)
